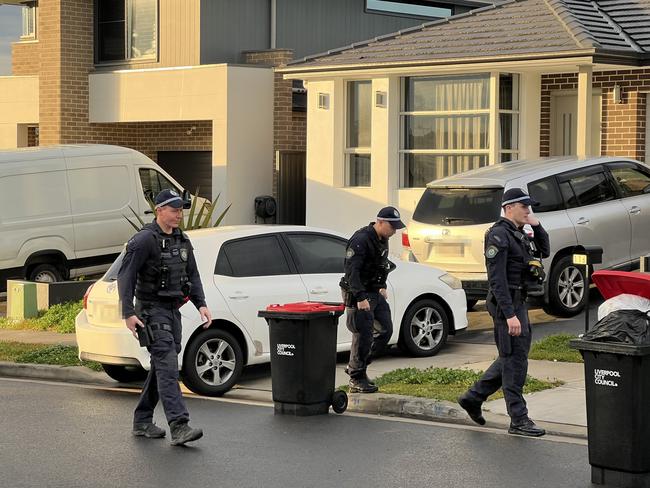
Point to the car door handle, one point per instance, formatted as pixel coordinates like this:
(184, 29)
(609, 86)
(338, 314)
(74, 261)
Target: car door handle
(238, 296)
(318, 291)
(635, 210)
(583, 221)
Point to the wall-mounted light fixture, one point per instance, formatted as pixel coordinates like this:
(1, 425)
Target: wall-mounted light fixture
(324, 101)
(380, 99)
(190, 130)
(618, 95)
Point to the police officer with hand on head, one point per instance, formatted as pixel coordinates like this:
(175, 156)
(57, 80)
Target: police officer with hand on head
(159, 269)
(513, 262)
(364, 293)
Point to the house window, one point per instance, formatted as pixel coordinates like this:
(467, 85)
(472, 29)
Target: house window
(410, 8)
(29, 21)
(445, 127)
(508, 117)
(357, 160)
(298, 96)
(127, 30)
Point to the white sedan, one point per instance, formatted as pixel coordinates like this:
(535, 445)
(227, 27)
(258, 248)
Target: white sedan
(246, 268)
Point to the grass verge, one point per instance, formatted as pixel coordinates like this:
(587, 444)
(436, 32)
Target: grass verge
(442, 383)
(58, 318)
(555, 348)
(19, 352)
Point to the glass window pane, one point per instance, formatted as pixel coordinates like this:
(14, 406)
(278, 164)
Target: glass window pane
(111, 41)
(260, 256)
(318, 254)
(359, 170)
(547, 193)
(568, 195)
(509, 131)
(420, 169)
(359, 113)
(110, 10)
(446, 132)
(630, 180)
(594, 188)
(509, 92)
(459, 206)
(142, 28)
(470, 92)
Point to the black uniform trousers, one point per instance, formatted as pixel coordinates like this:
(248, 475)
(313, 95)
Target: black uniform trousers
(371, 331)
(509, 370)
(162, 380)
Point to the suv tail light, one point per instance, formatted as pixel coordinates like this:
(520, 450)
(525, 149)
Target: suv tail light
(85, 299)
(405, 239)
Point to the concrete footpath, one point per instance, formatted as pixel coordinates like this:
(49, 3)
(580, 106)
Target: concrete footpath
(560, 410)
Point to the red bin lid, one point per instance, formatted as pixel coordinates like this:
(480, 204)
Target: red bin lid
(306, 307)
(614, 283)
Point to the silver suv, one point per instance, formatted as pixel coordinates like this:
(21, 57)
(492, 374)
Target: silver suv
(602, 201)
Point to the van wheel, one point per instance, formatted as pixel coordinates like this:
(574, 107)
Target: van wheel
(125, 374)
(213, 362)
(425, 327)
(567, 295)
(45, 273)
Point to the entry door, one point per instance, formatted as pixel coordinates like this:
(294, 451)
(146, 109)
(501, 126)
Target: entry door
(564, 125)
(291, 187)
(192, 169)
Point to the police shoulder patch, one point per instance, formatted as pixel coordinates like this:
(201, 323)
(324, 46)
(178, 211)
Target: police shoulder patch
(491, 252)
(349, 253)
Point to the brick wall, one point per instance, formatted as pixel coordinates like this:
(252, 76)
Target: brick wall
(289, 127)
(25, 58)
(623, 124)
(66, 46)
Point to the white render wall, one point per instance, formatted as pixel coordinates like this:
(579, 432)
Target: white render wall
(237, 99)
(332, 205)
(18, 106)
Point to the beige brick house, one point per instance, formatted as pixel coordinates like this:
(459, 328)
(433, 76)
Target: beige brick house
(187, 82)
(521, 79)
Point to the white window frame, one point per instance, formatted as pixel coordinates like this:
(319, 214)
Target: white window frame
(493, 150)
(29, 17)
(348, 151)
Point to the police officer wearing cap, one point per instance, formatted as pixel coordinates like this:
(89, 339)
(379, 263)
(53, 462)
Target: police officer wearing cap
(513, 265)
(364, 293)
(159, 269)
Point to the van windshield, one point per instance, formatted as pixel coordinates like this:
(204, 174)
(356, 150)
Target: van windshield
(459, 206)
(111, 274)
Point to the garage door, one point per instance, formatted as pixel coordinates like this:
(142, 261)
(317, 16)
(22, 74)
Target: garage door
(192, 169)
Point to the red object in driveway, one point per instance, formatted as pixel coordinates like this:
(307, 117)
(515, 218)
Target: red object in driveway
(613, 283)
(306, 307)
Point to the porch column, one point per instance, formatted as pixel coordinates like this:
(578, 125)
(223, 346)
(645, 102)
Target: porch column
(583, 135)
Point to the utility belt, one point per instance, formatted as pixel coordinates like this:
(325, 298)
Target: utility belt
(168, 303)
(518, 294)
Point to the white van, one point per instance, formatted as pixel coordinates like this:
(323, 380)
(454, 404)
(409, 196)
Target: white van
(63, 208)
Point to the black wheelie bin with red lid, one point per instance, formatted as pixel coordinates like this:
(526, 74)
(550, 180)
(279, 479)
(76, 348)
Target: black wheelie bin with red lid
(302, 339)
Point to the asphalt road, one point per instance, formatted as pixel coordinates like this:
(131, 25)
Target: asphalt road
(71, 436)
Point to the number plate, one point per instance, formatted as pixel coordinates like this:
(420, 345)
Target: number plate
(580, 259)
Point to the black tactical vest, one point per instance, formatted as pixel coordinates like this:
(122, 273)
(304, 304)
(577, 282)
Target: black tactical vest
(164, 274)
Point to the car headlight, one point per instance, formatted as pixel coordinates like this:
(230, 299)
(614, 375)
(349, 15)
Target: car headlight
(451, 281)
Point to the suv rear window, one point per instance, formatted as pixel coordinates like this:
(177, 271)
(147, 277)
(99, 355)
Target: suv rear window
(459, 206)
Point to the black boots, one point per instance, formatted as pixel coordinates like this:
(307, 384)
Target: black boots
(183, 433)
(472, 407)
(362, 385)
(525, 427)
(150, 430)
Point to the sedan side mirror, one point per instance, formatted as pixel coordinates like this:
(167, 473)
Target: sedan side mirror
(187, 199)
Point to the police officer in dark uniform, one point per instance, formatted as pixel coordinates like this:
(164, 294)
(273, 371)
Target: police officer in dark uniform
(364, 293)
(159, 269)
(513, 262)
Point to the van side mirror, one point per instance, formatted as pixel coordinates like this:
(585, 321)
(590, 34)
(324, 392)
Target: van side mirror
(187, 199)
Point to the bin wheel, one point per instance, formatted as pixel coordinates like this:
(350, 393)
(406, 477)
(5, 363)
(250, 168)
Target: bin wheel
(339, 401)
